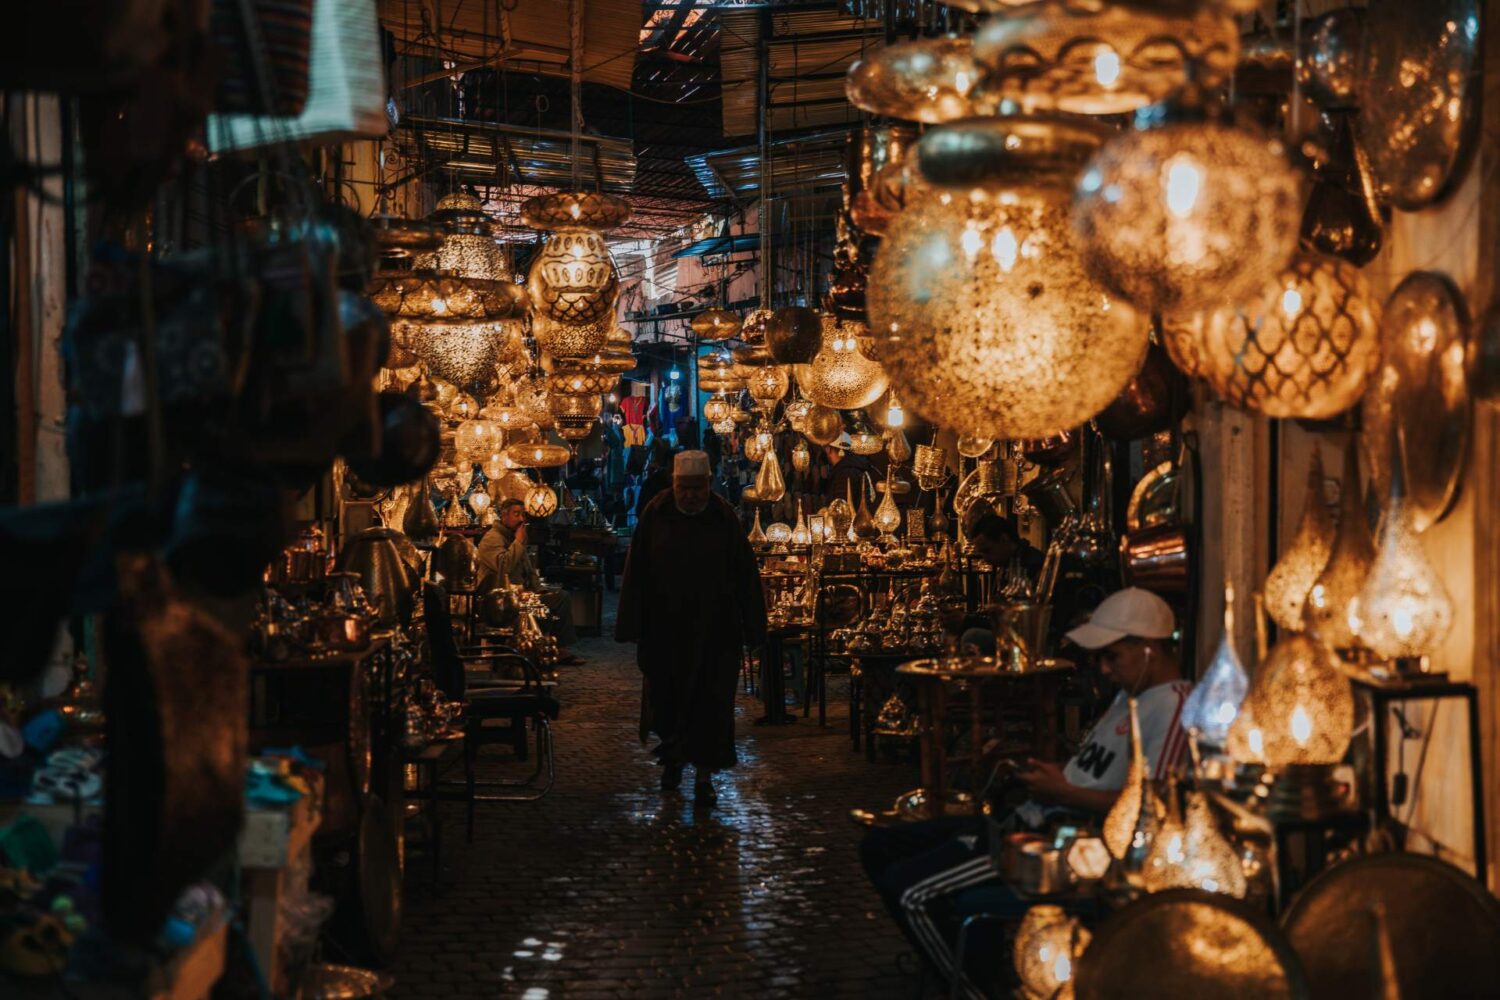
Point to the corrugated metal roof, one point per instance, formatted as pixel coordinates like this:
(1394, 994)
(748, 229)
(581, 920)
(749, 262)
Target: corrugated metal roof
(809, 52)
(534, 35)
(475, 149)
(803, 164)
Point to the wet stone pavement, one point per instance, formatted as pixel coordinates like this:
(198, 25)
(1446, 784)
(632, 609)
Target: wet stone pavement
(609, 888)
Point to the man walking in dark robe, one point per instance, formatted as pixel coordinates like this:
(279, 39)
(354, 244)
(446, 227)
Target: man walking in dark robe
(690, 600)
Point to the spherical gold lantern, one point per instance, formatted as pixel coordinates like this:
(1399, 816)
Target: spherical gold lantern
(716, 410)
(822, 425)
(839, 375)
(767, 385)
(794, 334)
(1303, 347)
(758, 445)
(715, 324)
(801, 456)
(573, 280)
(987, 320)
(1187, 216)
(537, 455)
(541, 501)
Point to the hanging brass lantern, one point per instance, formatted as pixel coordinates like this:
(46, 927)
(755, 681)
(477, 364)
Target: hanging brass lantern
(753, 331)
(1304, 347)
(537, 455)
(1334, 595)
(1295, 572)
(822, 425)
(579, 380)
(716, 410)
(1300, 709)
(986, 319)
(573, 342)
(767, 385)
(715, 324)
(541, 501)
(928, 80)
(801, 456)
(770, 485)
(573, 280)
(1103, 59)
(839, 376)
(1187, 215)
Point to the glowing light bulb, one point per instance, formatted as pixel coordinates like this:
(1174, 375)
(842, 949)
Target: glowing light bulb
(1257, 742)
(1062, 969)
(574, 210)
(1184, 182)
(1291, 302)
(1005, 248)
(895, 416)
(971, 241)
(439, 307)
(1107, 69)
(1301, 725)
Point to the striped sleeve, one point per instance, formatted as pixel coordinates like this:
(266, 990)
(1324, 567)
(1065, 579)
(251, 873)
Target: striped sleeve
(1163, 738)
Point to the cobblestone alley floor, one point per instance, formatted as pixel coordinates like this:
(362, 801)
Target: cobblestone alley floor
(607, 888)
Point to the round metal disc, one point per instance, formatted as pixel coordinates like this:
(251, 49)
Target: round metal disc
(1188, 944)
(1420, 95)
(1422, 383)
(1443, 928)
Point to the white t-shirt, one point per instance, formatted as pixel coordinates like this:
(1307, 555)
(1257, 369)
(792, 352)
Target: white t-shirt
(1104, 758)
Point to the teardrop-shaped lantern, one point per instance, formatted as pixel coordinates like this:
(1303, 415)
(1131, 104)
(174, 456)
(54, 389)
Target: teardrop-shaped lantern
(1298, 568)
(421, 523)
(1132, 821)
(756, 536)
(1189, 852)
(769, 484)
(898, 448)
(800, 535)
(1403, 609)
(888, 516)
(839, 376)
(1300, 708)
(1215, 700)
(1332, 598)
(864, 524)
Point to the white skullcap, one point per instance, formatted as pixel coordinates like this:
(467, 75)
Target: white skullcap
(691, 463)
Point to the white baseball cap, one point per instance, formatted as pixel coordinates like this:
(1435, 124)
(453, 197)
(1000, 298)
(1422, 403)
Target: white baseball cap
(1131, 611)
(691, 463)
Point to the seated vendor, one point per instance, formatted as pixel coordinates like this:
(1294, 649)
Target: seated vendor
(504, 559)
(932, 875)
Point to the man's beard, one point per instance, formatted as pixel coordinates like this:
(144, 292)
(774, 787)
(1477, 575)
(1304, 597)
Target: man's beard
(690, 511)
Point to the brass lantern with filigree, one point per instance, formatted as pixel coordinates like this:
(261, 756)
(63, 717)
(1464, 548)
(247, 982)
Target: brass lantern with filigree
(987, 320)
(839, 375)
(573, 280)
(1304, 346)
(715, 324)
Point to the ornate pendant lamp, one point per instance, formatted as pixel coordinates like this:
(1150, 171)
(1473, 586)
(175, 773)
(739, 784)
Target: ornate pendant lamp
(1335, 593)
(715, 324)
(839, 376)
(573, 281)
(1403, 609)
(1103, 58)
(1189, 852)
(929, 80)
(770, 486)
(822, 425)
(768, 384)
(537, 456)
(1187, 215)
(1133, 820)
(1299, 566)
(888, 515)
(1215, 700)
(986, 319)
(716, 410)
(756, 536)
(801, 537)
(1303, 347)
(541, 501)
(801, 456)
(1297, 719)
(794, 334)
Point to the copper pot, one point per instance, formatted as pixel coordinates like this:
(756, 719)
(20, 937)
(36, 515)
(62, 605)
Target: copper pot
(1156, 558)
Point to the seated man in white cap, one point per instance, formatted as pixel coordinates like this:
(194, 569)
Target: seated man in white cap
(691, 601)
(934, 875)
